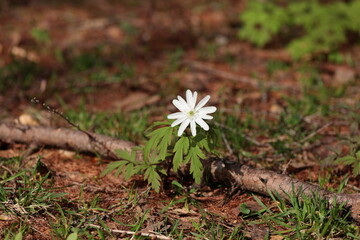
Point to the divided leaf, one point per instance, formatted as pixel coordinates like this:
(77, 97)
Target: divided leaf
(196, 167)
(112, 166)
(125, 154)
(129, 171)
(204, 143)
(181, 148)
(347, 160)
(165, 142)
(187, 149)
(153, 178)
(159, 140)
(122, 165)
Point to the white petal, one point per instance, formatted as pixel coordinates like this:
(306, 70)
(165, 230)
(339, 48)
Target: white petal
(193, 128)
(202, 102)
(176, 115)
(189, 98)
(179, 105)
(207, 110)
(183, 125)
(183, 103)
(178, 121)
(205, 116)
(202, 123)
(194, 100)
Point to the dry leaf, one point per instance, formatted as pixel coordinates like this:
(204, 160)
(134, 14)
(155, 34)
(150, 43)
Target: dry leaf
(343, 75)
(276, 237)
(136, 100)
(27, 119)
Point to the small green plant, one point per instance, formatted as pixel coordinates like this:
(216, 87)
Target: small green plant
(185, 196)
(353, 157)
(40, 35)
(312, 27)
(352, 141)
(262, 20)
(209, 51)
(174, 61)
(31, 194)
(164, 146)
(275, 65)
(18, 73)
(10, 236)
(211, 226)
(305, 217)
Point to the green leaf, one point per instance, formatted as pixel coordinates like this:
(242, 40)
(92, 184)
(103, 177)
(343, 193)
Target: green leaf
(159, 140)
(155, 138)
(204, 143)
(12, 177)
(244, 209)
(139, 168)
(40, 35)
(356, 168)
(124, 154)
(152, 143)
(18, 236)
(176, 183)
(112, 166)
(181, 148)
(121, 166)
(129, 171)
(358, 155)
(194, 155)
(160, 123)
(153, 178)
(165, 142)
(58, 195)
(347, 160)
(72, 236)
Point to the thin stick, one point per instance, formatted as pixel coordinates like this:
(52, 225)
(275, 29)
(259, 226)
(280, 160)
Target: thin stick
(60, 114)
(203, 67)
(227, 144)
(150, 235)
(313, 134)
(91, 136)
(6, 168)
(235, 77)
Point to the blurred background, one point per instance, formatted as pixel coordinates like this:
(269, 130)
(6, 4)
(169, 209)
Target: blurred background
(126, 56)
(284, 76)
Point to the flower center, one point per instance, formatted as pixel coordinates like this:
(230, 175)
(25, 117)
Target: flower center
(191, 114)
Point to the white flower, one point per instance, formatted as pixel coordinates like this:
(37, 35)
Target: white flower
(191, 114)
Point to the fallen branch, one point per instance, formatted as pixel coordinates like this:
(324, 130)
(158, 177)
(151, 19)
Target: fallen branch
(223, 171)
(63, 138)
(243, 177)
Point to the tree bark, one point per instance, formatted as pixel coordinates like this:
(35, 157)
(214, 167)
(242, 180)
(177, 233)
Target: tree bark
(63, 138)
(223, 171)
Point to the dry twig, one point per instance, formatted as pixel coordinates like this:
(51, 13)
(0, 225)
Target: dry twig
(313, 134)
(235, 77)
(124, 232)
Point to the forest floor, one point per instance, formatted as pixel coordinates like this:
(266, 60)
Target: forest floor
(114, 67)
